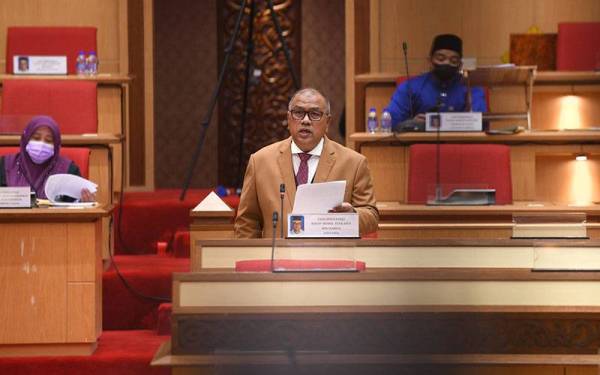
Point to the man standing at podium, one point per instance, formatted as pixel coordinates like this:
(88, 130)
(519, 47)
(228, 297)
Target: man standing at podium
(440, 90)
(307, 156)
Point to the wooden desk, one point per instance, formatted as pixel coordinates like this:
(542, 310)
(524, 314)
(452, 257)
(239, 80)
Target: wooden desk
(51, 281)
(534, 137)
(101, 168)
(482, 305)
(399, 220)
(543, 164)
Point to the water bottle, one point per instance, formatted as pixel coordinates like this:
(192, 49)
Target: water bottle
(92, 63)
(80, 63)
(386, 122)
(372, 121)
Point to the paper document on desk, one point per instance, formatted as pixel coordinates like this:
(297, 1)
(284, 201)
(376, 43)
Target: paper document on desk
(319, 198)
(69, 185)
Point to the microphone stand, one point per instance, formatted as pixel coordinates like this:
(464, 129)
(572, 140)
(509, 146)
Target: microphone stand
(409, 93)
(281, 195)
(438, 185)
(223, 70)
(213, 100)
(275, 218)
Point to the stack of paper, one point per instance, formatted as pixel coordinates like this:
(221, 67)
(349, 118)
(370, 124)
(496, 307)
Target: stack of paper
(59, 185)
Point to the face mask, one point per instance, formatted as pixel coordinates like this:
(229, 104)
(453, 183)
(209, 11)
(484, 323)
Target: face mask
(39, 151)
(444, 72)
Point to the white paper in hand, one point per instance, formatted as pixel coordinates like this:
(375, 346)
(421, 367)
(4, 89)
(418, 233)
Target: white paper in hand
(67, 184)
(319, 198)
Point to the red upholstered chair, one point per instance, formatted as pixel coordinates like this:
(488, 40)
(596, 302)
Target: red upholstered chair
(73, 104)
(578, 46)
(79, 155)
(461, 165)
(49, 41)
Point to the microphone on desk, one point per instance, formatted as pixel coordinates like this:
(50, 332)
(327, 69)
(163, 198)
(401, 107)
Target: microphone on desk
(275, 218)
(281, 195)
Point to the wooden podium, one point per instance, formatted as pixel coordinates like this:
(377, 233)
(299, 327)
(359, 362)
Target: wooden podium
(51, 279)
(443, 307)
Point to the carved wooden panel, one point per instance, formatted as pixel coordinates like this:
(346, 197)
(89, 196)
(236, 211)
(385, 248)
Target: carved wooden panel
(271, 83)
(388, 333)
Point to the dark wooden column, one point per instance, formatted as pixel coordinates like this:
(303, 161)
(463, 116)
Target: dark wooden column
(271, 83)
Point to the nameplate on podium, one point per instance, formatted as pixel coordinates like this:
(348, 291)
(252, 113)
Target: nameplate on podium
(15, 197)
(25, 65)
(329, 225)
(453, 122)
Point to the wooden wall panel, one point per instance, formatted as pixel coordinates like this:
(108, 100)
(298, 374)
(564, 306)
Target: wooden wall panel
(561, 110)
(185, 71)
(522, 167)
(582, 176)
(324, 70)
(106, 15)
(389, 164)
(376, 96)
(136, 142)
(484, 25)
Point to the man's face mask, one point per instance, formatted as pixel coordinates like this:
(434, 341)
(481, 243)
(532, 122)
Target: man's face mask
(444, 72)
(39, 151)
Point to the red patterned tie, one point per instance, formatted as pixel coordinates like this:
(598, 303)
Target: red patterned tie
(302, 175)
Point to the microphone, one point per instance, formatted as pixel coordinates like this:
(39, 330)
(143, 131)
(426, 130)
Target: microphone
(409, 93)
(438, 186)
(275, 218)
(281, 195)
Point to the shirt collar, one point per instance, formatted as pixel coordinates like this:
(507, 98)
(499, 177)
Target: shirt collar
(315, 151)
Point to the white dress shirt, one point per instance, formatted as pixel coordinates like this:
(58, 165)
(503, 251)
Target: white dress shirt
(313, 162)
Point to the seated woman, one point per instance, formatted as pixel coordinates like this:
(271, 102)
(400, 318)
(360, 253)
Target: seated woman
(38, 158)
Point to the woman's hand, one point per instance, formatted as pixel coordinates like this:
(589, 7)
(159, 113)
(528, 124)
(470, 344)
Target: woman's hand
(87, 196)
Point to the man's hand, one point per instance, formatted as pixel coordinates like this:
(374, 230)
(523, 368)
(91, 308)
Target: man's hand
(344, 207)
(420, 117)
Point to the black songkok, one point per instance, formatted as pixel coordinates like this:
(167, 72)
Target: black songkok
(446, 41)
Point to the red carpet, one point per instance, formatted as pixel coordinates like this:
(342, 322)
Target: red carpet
(118, 353)
(150, 217)
(148, 274)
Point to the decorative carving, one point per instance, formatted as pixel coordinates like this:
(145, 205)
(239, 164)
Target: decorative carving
(385, 333)
(270, 87)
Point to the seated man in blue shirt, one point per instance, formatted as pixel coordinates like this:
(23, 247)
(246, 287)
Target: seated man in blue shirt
(440, 90)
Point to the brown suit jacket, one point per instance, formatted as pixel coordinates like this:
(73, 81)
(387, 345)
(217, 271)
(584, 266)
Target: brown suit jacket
(272, 165)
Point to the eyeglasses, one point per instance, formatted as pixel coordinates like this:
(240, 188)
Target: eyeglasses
(299, 114)
(440, 57)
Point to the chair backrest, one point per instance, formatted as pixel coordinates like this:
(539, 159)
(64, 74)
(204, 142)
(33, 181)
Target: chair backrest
(462, 165)
(73, 104)
(578, 46)
(49, 41)
(401, 79)
(78, 155)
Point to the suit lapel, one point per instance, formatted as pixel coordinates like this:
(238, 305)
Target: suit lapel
(326, 162)
(286, 169)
